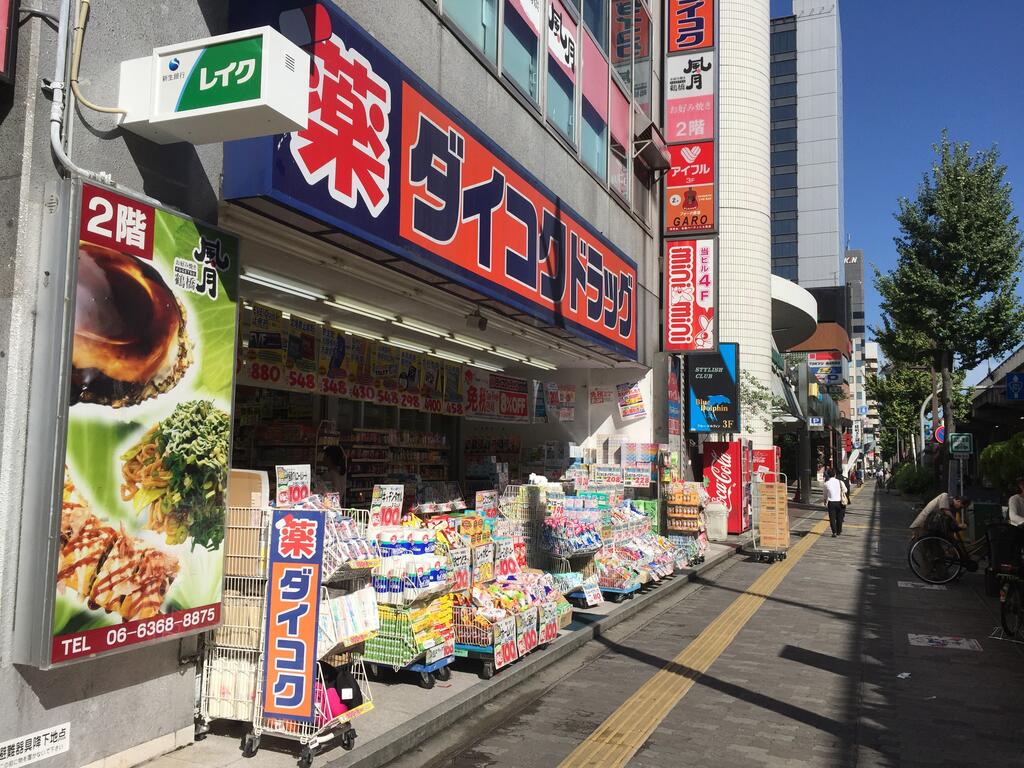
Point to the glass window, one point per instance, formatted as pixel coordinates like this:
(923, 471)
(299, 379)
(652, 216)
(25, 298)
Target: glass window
(784, 158)
(477, 19)
(786, 272)
(783, 90)
(787, 67)
(642, 59)
(623, 39)
(783, 250)
(594, 127)
(783, 180)
(519, 59)
(783, 204)
(562, 70)
(595, 14)
(782, 227)
(618, 156)
(783, 112)
(780, 135)
(642, 191)
(784, 42)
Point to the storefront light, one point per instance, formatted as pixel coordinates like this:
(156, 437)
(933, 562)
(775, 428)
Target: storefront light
(360, 332)
(508, 354)
(469, 341)
(358, 308)
(486, 366)
(451, 357)
(424, 328)
(279, 284)
(412, 346)
(544, 366)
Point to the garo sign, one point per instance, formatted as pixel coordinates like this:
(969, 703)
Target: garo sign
(385, 159)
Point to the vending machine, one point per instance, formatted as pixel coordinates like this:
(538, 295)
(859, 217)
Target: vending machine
(768, 462)
(727, 472)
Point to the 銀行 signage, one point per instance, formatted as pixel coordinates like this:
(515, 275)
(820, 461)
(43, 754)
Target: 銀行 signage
(713, 402)
(385, 159)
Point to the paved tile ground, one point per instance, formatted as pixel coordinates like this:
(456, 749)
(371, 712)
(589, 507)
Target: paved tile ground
(817, 677)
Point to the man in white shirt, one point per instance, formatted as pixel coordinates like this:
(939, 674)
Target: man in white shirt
(832, 496)
(1016, 511)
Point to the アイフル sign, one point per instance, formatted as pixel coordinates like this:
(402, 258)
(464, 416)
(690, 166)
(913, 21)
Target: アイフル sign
(690, 188)
(386, 160)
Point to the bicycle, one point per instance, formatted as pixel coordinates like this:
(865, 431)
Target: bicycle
(1011, 606)
(935, 560)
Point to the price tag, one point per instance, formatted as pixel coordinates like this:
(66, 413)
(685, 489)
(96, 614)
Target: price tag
(454, 409)
(483, 563)
(548, 623)
(592, 594)
(386, 505)
(433, 405)
(487, 504)
(460, 569)
(505, 563)
(505, 650)
(526, 631)
(410, 400)
(337, 387)
(302, 382)
(387, 397)
(365, 392)
(292, 486)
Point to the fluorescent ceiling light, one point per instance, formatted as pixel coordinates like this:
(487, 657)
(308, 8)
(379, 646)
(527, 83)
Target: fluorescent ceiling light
(424, 328)
(508, 354)
(279, 284)
(358, 308)
(412, 346)
(469, 341)
(286, 315)
(361, 333)
(486, 366)
(452, 357)
(544, 366)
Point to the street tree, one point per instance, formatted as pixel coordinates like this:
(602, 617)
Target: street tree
(952, 297)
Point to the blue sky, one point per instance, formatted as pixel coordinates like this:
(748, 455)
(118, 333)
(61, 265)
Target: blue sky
(910, 69)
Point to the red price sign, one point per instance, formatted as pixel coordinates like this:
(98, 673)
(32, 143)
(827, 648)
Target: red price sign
(386, 505)
(433, 405)
(329, 386)
(265, 373)
(387, 397)
(505, 563)
(293, 481)
(505, 650)
(409, 400)
(365, 392)
(460, 569)
(302, 381)
(548, 623)
(454, 409)
(512, 404)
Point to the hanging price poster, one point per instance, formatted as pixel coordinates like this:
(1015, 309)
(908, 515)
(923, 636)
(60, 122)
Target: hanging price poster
(332, 353)
(386, 505)
(505, 650)
(266, 335)
(505, 563)
(487, 504)
(293, 482)
(601, 395)
(526, 631)
(496, 397)
(548, 622)
(460, 568)
(606, 474)
(631, 401)
(637, 475)
(302, 338)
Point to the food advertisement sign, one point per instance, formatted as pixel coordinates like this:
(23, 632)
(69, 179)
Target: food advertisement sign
(690, 188)
(293, 602)
(691, 291)
(713, 402)
(690, 97)
(387, 160)
(148, 429)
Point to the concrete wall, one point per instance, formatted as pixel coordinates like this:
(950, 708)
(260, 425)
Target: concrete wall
(745, 259)
(139, 696)
(819, 142)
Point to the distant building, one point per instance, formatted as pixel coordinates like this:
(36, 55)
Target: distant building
(854, 275)
(807, 145)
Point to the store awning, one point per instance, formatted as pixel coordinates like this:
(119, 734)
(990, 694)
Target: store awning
(787, 413)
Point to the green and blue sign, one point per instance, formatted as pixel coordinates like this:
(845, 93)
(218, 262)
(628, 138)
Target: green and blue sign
(713, 392)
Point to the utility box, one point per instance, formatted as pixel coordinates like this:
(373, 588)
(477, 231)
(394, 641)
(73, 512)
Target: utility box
(234, 86)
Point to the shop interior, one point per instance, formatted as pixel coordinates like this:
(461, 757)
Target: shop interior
(367, 295)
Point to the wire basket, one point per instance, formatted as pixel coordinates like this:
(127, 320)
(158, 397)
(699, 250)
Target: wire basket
(471, 628)
(229, 683)
(241, 614)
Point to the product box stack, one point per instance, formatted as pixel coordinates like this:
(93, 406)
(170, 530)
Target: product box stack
(683, 513)
(774, 516)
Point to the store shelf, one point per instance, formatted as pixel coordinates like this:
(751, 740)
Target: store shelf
(368, 445)
(422, 447)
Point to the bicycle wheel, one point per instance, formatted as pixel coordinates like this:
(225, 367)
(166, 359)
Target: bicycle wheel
(934, 560)
(1011, 609)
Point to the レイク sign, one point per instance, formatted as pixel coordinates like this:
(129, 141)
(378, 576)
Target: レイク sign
(691, 269)
(691, 24)
(387, 160)
(293, 603)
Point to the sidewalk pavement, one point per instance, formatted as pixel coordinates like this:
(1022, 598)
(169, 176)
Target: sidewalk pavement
(405, 714)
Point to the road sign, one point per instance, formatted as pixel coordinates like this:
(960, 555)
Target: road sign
(862, 410)
(815, 423)
(940, 434)
(1015, 386)
(961, 443)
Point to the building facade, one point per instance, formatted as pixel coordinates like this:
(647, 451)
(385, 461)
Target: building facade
(807, 145)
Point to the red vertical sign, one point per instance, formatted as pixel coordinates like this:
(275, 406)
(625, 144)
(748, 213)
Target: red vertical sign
(691, 24)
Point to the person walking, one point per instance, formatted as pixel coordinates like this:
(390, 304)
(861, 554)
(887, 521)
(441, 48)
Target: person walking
(1016, 504)
(832, 495)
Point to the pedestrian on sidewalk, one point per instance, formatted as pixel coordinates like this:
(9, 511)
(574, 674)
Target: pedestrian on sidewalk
(832, 495)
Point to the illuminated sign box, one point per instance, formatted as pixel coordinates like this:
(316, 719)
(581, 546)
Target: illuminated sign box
(235, 86)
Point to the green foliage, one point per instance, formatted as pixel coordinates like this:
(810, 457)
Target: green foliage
(1002, 463)
(913, 480)
(953, 293)
(757, 402)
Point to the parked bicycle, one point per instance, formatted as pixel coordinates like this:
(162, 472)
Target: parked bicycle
(935, 559)
(1011, 605)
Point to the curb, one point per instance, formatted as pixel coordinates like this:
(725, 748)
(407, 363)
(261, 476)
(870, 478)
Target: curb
(408, 735)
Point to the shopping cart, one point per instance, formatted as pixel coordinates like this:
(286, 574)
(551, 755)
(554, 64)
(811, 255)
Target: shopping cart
(769, 517)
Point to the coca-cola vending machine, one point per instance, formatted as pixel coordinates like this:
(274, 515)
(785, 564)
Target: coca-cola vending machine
(767, 462)
(727, 469)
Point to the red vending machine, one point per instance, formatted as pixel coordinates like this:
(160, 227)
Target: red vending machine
(727, 470)
(767, 461)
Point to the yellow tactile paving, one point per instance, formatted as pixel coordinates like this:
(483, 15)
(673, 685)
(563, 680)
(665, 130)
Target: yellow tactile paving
(619, 737)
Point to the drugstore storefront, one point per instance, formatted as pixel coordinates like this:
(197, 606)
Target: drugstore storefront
(412, 293)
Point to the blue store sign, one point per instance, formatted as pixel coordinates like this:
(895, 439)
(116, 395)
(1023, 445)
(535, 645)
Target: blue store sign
(386, 160)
